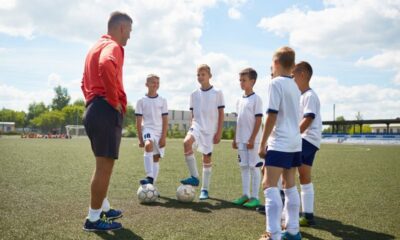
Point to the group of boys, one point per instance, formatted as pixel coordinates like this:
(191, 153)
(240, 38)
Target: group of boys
(287, 144)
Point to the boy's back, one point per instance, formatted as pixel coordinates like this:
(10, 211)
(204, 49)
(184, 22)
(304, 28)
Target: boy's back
(284, 97)
(204, 105)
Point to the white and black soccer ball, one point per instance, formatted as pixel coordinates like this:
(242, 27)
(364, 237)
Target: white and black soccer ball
(147, 193)
(185, 193)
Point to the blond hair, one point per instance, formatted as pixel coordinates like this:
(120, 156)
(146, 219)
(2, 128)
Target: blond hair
(285, 56)
(204, 67)
(152, 76)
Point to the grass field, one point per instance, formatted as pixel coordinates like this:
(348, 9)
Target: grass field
(44, 193)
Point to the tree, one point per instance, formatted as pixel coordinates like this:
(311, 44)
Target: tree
(61, 99)
(79, 102)
(49, 121)
(73, 114)
(365, 129)
(8, 115)
(35, 109)
(129, 117)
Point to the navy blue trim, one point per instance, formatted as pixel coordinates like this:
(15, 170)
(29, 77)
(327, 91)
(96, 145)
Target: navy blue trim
(286, 76)
(223, 106)
(164, 114)
(191, 109)
(311, 115)
(272, 110)
(138, 114)
(205, 90)
(152, 97)
(244, 96)
(306, 91)
(259, 115)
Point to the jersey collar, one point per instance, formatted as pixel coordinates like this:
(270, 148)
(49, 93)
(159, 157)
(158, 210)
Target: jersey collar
(251, 94)
(156, 96)
(205, 90)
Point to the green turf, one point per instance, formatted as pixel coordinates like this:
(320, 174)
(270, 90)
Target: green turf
(44, 193)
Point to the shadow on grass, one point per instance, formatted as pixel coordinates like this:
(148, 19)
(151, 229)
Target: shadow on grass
(119, 234)
(201, 206)
(343, 231)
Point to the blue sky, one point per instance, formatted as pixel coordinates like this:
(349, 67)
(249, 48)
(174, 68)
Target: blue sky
(352, 46)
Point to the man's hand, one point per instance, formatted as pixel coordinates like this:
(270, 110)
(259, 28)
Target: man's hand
(119, 108)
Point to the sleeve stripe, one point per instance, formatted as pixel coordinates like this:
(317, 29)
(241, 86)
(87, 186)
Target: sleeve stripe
(222, 106)
(272, 110)
(311, 115)
(164, 114)
(259, 115)
(138, 114)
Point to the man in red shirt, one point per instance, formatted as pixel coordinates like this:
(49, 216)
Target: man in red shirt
(106, 102)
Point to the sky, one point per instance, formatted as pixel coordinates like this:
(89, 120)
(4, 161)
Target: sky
(352, 45)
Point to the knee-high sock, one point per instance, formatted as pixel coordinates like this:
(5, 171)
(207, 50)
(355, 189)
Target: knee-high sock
(273, 209)
(191, 163)
(292, 205)
(245, 172)
(307, 198)
(255, 181)
(148, 164)
(206, 178)
(156, 169)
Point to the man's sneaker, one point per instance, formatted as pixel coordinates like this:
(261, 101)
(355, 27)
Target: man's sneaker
(147, 180)
(240, 201)
(101, 225)
(307, 220)
(111, 214)
(194, 181)
(252, 203)
(203, 195)
(287, 236)
(261, 209)
(266, 236)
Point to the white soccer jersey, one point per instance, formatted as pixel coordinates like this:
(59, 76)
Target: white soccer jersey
(248, 109)
(283, 99)
(152, 109)
(204, 105)
(310, 107)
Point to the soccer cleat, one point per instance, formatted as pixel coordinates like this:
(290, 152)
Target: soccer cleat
(111, 214)
(287, 236)
(203, 195)
(307, 220)
(252, 203)
(147, 180)
(240, 201)
(266, 236)
(261, 209)
(194, 181)
(101, 225)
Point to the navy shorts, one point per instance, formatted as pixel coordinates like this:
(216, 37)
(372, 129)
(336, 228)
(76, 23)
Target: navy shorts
(308, 153)
(103, 125)
(283, 159)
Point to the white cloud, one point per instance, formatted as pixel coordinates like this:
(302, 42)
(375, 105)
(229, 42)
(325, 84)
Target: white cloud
(234, 13)
(17, 99)
(53, 80)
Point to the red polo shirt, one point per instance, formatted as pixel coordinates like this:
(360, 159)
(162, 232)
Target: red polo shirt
(103, 73)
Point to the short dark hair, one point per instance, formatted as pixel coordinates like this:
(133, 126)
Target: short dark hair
(305, 66)
(116, 18)
(249, 72)
(285, 56)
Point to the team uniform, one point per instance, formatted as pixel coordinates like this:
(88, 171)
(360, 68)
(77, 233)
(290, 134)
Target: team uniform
(152, 109)
(311, 137)
(284, 151)
(248, 109)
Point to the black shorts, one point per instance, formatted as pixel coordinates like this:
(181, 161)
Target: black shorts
(103, 125)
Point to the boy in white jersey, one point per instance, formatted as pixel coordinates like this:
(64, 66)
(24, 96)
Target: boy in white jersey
(310, 128)
(247, 138)
(151, 123)
(283, 152)
(207, 106)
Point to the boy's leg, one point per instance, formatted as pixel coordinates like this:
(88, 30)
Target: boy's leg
(292, 201)
(307, 195)
(206, 176)
(190, 161)
(273, 203)
(156, 166)
(148, 163)
(254, 163)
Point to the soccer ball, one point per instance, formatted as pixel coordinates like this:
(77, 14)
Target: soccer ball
(147, 193)
(185, 193)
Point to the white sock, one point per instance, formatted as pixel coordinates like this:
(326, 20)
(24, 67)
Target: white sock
(280, 183)
(94, 214)
(106, 205)
(156, 169)
(148, 164)
(273, 209)
(307, 197)
(206, 178)
(191, 163)
(292, 205)
(255, 181)
(245, 171)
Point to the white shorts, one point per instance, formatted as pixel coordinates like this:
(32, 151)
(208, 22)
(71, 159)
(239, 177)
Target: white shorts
(202, 142)
(149, 135)
(249, 157)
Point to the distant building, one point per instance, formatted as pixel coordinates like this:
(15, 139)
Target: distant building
(7, 127)
(180, 120)
(394, 128)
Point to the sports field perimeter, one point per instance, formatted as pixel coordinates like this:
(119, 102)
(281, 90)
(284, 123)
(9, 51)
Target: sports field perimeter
(44, 193)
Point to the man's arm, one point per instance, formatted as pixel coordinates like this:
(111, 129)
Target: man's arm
(218, 134)
(269, 125)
